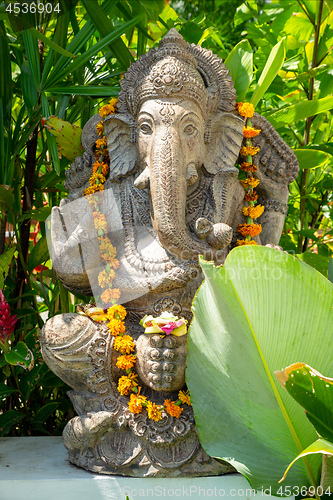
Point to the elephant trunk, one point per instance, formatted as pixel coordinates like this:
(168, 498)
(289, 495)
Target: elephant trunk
(168, 188)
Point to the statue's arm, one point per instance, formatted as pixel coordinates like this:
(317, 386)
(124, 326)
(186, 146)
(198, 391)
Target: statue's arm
(277, 167)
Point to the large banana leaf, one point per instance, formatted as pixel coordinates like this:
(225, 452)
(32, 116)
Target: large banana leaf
(261, 311)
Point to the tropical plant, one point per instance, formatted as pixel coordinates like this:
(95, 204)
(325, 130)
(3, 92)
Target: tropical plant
(259, 312)
(299, 105)
(314, 392)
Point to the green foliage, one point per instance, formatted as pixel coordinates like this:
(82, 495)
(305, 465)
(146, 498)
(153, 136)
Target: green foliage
(254, 315)
(314, 393)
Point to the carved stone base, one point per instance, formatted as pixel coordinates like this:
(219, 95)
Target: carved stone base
(119, 442)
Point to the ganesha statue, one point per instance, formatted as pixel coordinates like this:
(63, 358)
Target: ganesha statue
(172, 193)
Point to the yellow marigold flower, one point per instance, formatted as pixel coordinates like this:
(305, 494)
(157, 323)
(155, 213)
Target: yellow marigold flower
(253, 212)
(124, 344)
(100, 128)
(251, 196)
(97, 178)
(100, 167)
(100, 221)
(240, 243)
(93, 189)
(106, 110)
(116, 327)
(105, 279)
(135, 403)
(106, 247)
(110, 294)
(154, 412)
(245, 109)
(101, 143)
(118, 312)
(249, 150)
(126, 361)
(184, 397)
(249, 229)
(113, 102)
(249, 132)
(248, 167)
(173, 409)
(126, 383)
(250, 181)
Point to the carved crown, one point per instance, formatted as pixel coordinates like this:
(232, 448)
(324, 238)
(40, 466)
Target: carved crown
(178, 69)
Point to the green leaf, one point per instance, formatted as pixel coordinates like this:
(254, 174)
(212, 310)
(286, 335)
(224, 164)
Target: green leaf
(320, 446)
(86, 56)
(89, 90)
(20, 355)
(5, 260)
(330, 269)
(5, 390)
(31, 47)
(240, 64)
(51, 141)
(8, 420)
(252, 316)
(311, 158)
(299, 26)
(39, 254)
(318, 262)
(300, 111)
(44, 412)
(104, 26)
(29, 90)
(5, 80)
(271, 69)
(243, 13)
(314, 392)
(68, 137)
(7, 197)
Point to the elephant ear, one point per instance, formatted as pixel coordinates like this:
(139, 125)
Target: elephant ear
(275, 159)
(122, 150)
(224, 142)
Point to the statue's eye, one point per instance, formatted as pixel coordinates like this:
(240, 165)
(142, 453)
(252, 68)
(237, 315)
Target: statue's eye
(189, 129)
(145, 128)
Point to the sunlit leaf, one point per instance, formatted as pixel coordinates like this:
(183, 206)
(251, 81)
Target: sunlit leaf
(311, 158)
(20, 355)
(240, 64)
(68, 137)
(300, 111)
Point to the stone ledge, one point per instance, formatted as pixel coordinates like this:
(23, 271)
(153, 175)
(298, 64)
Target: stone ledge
(37, 468)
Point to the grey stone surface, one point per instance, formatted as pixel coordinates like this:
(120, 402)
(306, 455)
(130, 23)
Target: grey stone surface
(172, 195)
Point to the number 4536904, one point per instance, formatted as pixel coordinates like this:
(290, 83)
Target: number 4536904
(39, 7)
(304, 491)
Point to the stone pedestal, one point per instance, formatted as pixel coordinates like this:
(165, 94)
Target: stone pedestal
(37, 468)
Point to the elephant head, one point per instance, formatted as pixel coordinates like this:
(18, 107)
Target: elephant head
(175, 121)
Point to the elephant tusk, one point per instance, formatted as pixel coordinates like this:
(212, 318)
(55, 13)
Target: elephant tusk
(142, 182)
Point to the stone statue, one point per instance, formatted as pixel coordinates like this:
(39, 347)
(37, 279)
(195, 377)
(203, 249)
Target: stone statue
(172, 194)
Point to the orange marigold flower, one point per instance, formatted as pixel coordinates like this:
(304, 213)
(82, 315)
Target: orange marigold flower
(154, 412)
(115, 294)
(126, 361)
(126, 383)
(249, 132)
(248, 167)
(100, 167)
(105, 279)
(173, 409)
(106, 296)
(251, 196)
(106, 247)
(117, 311)
(249, 182)
(116, 327)
(245, 109)
(253, 212)
(124, 344)
(240, 243)
(100, 128)
(249, 150)
(249, 229)
(184, 397)
(135, 403)
(101, 143)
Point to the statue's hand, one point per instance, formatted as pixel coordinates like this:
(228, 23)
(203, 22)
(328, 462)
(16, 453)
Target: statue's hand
(75, 247)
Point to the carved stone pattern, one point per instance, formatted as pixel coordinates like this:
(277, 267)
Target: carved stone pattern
(275, 206)
(79, 172)
(98, 352)
(167, 304)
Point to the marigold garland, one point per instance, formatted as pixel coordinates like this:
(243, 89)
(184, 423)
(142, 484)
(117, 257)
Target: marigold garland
(115, 315)
(251, 212)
